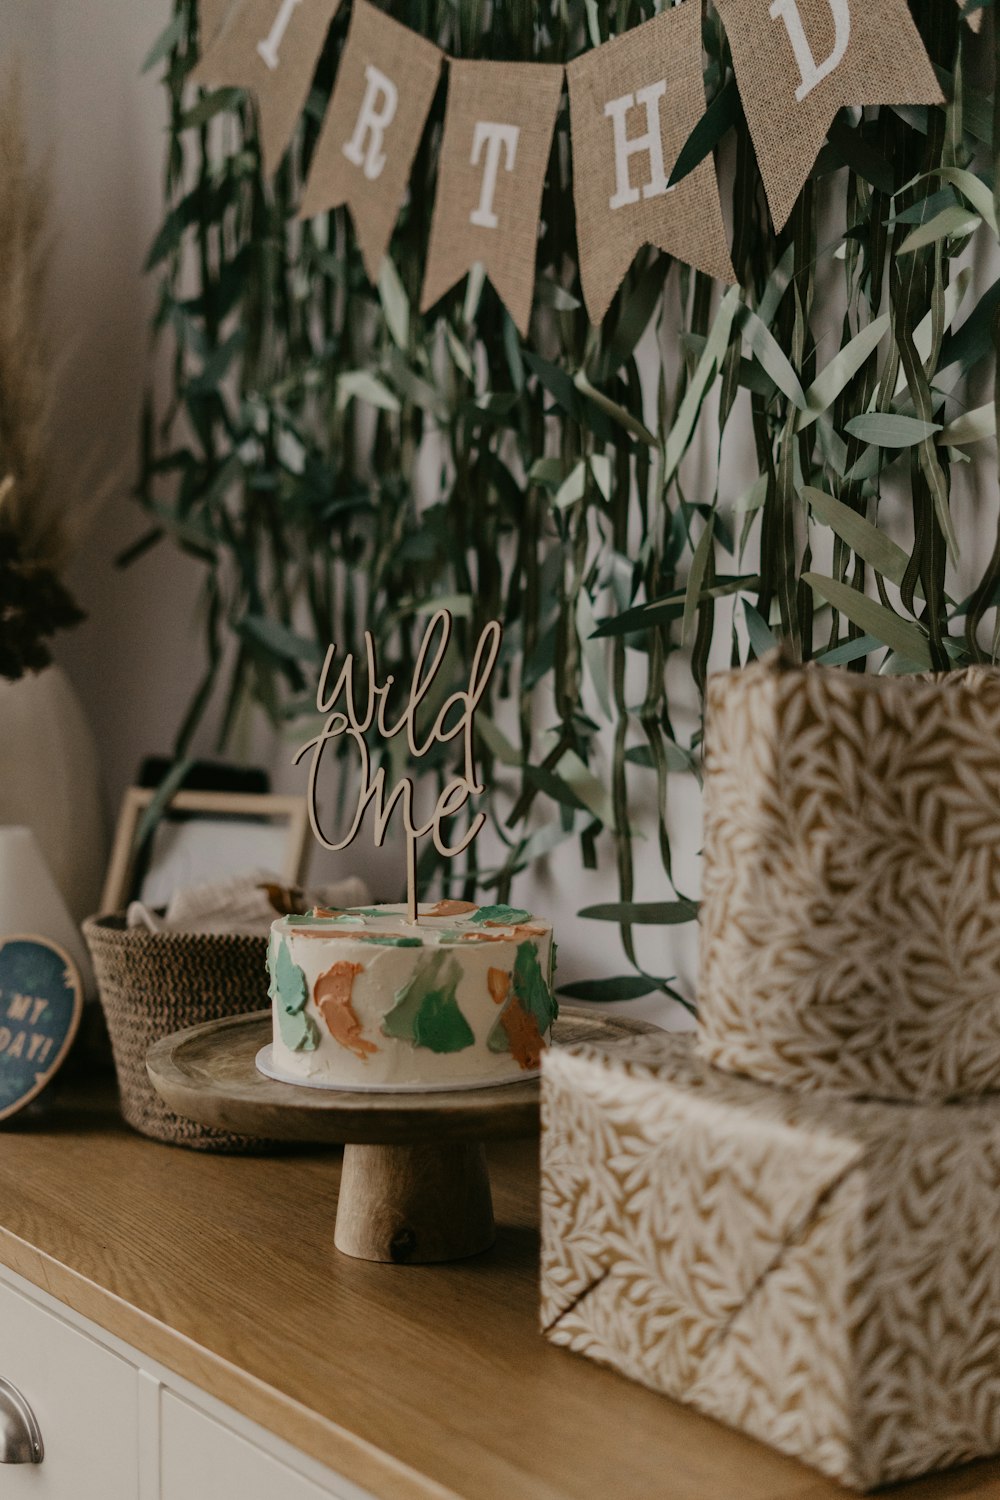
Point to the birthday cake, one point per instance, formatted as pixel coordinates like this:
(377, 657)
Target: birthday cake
(363, 998)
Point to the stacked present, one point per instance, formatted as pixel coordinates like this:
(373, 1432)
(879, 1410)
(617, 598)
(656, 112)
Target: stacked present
(791, 1220)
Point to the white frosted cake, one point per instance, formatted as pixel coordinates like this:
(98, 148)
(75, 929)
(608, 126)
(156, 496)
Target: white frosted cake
(362, 998)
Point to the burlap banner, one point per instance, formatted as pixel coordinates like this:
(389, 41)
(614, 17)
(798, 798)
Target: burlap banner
(633, 104)
(270, 47)
(211, 14)
(497, 137)
(798, 61)
(384, 89)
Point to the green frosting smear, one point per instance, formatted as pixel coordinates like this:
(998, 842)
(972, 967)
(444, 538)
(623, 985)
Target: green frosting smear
(288, 987)
(426, 1011)
(529, 987)
(310, 919)
(389, 940)
(508, 916)
(375, 911)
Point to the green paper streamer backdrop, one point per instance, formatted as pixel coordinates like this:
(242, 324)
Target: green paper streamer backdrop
(572, 493)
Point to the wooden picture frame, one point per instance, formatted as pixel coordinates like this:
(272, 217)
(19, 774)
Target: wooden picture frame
(124, 882)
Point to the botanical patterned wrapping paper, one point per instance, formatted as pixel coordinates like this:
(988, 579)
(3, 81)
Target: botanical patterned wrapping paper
(850, 913)
(823, 1274)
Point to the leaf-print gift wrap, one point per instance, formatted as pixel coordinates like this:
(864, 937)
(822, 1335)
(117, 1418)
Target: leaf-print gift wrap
(822, 1273)
(850, 914)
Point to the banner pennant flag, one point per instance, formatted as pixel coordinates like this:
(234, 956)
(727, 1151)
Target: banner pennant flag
(497, 138)
(633, 103)
(270, 47)
(797, 62)
(384, 90)
(211, 15)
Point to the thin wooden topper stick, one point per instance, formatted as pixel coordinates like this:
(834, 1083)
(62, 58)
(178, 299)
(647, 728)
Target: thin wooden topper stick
(346, 721)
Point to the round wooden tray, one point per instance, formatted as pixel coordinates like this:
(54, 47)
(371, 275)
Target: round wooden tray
(414, 1186)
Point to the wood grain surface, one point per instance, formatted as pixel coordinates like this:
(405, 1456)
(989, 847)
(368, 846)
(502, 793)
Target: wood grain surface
(416, 1382)
(208, 1073)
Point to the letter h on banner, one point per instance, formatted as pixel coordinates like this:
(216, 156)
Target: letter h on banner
(627, 146)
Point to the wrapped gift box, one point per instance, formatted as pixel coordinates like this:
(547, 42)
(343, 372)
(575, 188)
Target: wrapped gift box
(822, 1273)
(850, 913)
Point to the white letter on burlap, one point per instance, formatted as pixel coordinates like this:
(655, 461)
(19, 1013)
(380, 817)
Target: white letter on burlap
(870, 53)
(627, 146)
(268, 48)
(377, 112)
(384, 89)
(654, 70)
(495, 138)
(491, 171)
(811, 71)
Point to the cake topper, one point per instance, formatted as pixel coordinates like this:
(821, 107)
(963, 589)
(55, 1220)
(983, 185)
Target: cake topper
(345, 720)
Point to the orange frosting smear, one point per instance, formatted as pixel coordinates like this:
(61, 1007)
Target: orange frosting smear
(499, 983)
(482, 937)
(521, 931)
(451, 909)
(327, 911)
(332, 993)
(526, 1041)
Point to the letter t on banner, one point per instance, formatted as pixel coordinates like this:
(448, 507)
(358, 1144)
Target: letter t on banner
(271, 47)
(633, 103)
(385, 87)
(497, 137)
(798, 61)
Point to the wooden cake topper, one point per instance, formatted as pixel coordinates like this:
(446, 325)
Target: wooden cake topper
(346, 720)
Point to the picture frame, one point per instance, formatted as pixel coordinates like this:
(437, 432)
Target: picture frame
(202, 836)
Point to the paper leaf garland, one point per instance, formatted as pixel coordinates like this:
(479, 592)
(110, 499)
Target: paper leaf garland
(497, 137)
(385, 84)
(633, 104)
(798, 61)
(270, 47)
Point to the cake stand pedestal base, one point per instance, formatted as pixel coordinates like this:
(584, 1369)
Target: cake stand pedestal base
(415, 1204)
(414, 1188)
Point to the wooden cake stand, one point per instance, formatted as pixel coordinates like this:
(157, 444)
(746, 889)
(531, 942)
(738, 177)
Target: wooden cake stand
(415, 1186)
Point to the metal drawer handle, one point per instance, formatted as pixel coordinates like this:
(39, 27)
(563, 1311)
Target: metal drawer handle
(20, 1438)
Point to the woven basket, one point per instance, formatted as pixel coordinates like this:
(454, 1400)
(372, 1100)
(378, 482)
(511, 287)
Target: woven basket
(156, 983)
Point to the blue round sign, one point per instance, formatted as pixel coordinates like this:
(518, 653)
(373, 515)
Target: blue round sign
(41, 999)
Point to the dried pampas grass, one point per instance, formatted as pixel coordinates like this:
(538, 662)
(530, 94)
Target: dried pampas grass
(26, 506)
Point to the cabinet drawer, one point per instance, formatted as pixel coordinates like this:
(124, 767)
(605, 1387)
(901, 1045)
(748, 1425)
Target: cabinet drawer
(200, 1459)
(85, 1400)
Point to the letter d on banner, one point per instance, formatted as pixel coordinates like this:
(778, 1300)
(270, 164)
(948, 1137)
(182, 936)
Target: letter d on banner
(384, 90)
(798, 61)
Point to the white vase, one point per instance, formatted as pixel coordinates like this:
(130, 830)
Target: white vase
(50, 782)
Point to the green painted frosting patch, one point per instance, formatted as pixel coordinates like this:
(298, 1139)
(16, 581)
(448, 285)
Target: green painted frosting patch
(506, 916)
(531, 988)
(375, 911)
(390, 940)
(288, 987)
(310, 919)
(426, 1011)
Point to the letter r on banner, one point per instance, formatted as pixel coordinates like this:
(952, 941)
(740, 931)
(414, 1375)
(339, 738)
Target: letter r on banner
(495, 138)
(810, 71)
(628, 146)
(377, 112)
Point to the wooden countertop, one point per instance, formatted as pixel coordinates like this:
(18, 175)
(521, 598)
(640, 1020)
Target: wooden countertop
(410, 1381)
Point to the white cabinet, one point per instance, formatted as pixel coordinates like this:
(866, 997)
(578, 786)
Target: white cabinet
(201, 1457)
(117, 1426)
(85, 1402)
